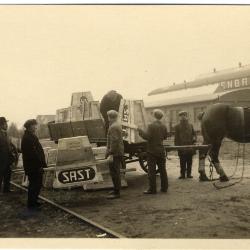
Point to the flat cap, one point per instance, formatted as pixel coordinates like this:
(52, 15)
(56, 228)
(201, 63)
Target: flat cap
(182, 113)
(112, 114)
(3, 120)
(158, 114)
(30, 123)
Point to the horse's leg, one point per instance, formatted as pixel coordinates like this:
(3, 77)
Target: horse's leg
(202, 157)
(214, 154)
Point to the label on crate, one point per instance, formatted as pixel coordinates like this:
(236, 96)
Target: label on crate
(71, 177)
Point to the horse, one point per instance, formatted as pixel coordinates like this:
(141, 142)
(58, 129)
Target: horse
(221, 121)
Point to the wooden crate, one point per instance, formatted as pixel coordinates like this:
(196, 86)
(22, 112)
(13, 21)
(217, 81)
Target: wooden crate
(76, 113)
(52, 156)
(92, 110)
(132, 114)
(76, 174)
(99, 152)
(63, 115)
(79, 98)
(74, 149)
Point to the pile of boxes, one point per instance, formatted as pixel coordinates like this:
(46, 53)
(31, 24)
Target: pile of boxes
(83, 117)
(70, 160)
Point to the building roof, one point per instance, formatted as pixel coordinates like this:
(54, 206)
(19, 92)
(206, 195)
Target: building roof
(206, 79)
(190, 95)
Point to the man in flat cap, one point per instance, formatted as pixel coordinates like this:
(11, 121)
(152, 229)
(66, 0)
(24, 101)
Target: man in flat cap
(156, 154)
(115, 152)
(185, 135)
(33, 162)
(6, 157)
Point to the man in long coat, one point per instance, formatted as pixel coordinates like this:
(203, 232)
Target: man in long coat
(33, 162)
(6, 157)
(185, 135)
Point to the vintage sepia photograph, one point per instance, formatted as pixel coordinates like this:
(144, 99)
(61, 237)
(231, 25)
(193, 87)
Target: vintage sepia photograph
(125, 121)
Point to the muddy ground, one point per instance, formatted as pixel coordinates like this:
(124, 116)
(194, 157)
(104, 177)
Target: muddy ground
(189, 210)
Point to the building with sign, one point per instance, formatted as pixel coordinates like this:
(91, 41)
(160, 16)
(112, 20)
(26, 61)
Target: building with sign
(230, 86)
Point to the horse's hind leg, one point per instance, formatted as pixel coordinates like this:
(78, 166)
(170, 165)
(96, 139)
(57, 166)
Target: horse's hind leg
(202, 157)
(214, 154)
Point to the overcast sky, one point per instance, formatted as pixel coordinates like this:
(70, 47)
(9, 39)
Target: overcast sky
(48, 52)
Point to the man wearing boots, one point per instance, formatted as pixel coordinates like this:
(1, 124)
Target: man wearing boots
(156, 155)
(185, 135)
(6, 157)
(33, 162)
(115, 152)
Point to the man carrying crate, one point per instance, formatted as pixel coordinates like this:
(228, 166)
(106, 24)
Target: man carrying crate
(156, 155)
(115, 152)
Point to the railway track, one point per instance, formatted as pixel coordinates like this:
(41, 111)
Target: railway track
(106, 231)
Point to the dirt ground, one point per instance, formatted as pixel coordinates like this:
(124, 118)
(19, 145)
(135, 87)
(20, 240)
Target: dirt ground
(189, 210)
(16, 221)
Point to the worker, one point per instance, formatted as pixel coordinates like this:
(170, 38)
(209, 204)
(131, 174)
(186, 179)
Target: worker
(156, 154)
(115, 152)
(6, 156)
(185, 135)
(33, 162)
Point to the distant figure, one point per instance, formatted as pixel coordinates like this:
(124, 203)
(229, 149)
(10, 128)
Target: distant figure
(156, 154)
(115, 152)
(33, 162)
(185, 135)
(6, 156)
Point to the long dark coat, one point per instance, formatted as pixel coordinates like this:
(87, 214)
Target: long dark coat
(33, 154)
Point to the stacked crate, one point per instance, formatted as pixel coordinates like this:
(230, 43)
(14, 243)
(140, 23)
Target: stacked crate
(132, 115)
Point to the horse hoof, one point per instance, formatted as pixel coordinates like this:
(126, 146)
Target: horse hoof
(203, 178)
(224, 178)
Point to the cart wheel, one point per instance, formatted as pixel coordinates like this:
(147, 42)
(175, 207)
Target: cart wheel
(143, 162)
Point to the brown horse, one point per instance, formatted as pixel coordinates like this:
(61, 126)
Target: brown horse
(220, 121)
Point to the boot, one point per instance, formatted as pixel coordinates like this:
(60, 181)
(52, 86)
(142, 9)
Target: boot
(224, 178)
(203, 177)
